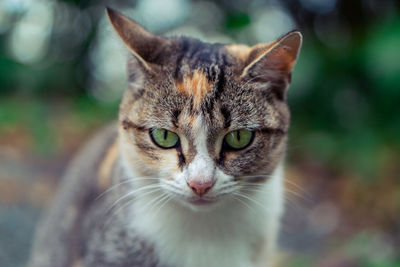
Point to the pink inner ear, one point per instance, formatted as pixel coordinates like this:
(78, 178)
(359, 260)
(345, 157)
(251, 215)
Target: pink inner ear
(281, 57)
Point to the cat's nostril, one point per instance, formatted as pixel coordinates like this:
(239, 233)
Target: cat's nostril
(200, 187)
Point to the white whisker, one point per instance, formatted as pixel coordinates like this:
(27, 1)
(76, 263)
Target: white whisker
(243, 202)
(152, 203)
(298, 187)
(157, 187)
(255, 176)
(167, 199)
(131, 180)
(126, 204)
(250, 199)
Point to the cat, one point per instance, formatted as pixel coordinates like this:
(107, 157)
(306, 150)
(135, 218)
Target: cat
(191, 175)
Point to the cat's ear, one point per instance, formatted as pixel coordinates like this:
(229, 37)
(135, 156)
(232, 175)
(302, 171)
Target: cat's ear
(139, 41)
(274, 60)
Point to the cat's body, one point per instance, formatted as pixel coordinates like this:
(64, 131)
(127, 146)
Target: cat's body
(193, 169)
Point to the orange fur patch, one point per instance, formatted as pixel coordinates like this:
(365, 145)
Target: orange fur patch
(240, 51)
(196, 85)
(106, 165)
(189, 120)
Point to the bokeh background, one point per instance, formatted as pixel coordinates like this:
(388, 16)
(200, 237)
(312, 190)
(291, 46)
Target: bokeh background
(62, 73)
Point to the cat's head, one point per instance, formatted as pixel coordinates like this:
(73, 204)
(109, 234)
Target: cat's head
(204, 119)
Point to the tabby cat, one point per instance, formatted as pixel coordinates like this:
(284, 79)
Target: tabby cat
(191, 175)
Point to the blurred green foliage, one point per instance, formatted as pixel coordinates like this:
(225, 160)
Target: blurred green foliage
(350, 112)
(237, 20)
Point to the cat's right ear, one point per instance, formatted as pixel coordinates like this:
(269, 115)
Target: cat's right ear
(140, 42)
(274, 60)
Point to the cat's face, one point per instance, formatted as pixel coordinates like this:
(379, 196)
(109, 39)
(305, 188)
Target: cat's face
(206, 119)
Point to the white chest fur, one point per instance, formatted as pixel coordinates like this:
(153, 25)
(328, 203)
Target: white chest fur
(235, 235)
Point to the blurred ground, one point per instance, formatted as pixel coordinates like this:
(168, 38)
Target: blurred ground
(37, 139)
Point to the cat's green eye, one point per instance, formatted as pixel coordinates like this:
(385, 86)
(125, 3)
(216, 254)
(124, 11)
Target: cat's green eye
(164, 138)
(238, 139)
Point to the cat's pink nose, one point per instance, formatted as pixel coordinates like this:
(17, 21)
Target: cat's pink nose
(201, 187)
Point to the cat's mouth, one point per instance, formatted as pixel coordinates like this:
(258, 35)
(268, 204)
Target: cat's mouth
(201, 202)
(192, 200)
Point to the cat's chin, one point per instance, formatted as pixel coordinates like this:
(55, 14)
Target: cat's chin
(200, 204)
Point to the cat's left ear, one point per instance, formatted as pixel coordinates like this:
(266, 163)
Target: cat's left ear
(275, 60)
(143, 44)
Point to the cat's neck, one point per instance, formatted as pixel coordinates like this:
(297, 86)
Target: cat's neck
(230, 230)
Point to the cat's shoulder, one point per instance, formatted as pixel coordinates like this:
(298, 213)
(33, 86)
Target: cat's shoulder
(96, 147)
(56, 236)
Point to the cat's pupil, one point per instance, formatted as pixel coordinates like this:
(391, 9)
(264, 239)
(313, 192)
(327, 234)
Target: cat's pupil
(165, 134)
(238, 135)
